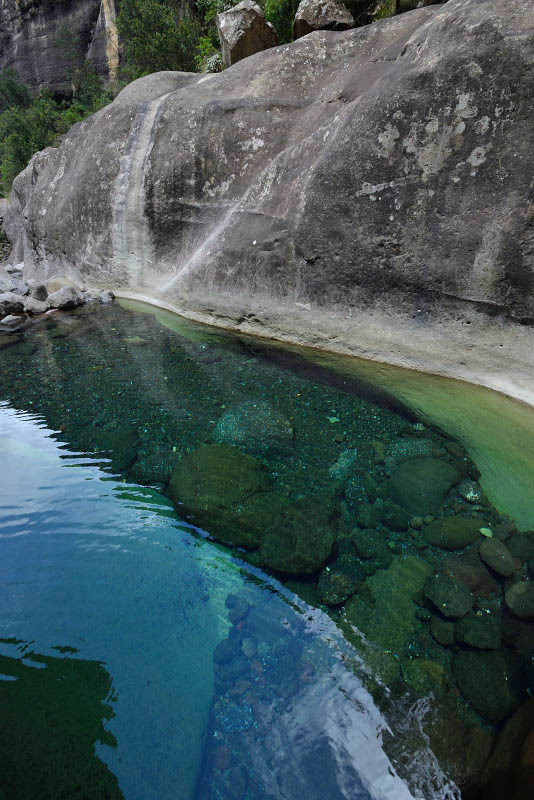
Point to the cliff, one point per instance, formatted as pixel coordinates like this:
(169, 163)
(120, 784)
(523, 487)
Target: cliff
(29, 34)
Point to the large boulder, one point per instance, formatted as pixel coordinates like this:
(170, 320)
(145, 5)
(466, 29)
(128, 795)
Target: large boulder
(322, 15)
(243, 31)
(255, 427)
(225, 492)
(487, 681)
(300, 539)
(233, 197)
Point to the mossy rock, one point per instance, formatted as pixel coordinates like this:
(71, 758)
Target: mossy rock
(384, 609)
(225, 492)
(420, 485)
(483, 631)
(424, 675)
(300, 540)
(453, 533)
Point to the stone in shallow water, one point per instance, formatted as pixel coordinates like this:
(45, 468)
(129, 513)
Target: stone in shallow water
(400, 450)
(453, 533)
(521, 545)
(483, 631)
(384, 608)
(300, 539)
(520, 599)
(255, 427)
(442, 631)
(420, 485)
(221, 489)
(65, 299)
(340, 579)
(423, 675)
(451, 599)
(502, 772)
(486, 680)
(470, 491)
(497, 556)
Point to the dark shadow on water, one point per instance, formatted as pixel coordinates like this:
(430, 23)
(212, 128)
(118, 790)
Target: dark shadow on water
(53, 712)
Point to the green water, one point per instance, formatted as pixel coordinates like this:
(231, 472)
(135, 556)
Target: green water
(324, 476)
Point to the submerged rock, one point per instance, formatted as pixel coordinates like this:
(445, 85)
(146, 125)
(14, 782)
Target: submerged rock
(520, 599)
(497, 556)
(255, 427)
(299, 540)
(340, 579)
(420, 485)
(486, 680)
(442, 631)
(384, 609)
(483, 631)
(451, 599)
(470, 491)
(226, 492)
(453, 533)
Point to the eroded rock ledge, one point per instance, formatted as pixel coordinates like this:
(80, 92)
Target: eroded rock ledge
(366, 191)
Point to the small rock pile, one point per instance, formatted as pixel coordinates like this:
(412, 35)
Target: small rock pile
(20, 298)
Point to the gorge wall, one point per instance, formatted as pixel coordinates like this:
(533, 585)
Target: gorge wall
(29, 32)
(368, 191)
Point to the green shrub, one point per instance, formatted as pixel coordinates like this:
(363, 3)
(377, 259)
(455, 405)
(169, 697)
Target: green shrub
(155, 38)
(281, 14)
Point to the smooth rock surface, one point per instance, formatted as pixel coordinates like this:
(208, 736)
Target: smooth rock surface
(486, 681)
(451, 599)
(244, 31)
(326, 15)
(420, 485)
(453, 533)
(498, 557)
(520, 599)
(397, 125)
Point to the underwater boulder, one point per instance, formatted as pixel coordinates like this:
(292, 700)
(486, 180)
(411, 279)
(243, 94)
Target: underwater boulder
(340, 579)
(300, 540)
(450, 598)
(226, 492)
(486, 680)
(497, 556)
(453, 533)
(482, 631)
(420, 485)
(520, 599)
(255, 427)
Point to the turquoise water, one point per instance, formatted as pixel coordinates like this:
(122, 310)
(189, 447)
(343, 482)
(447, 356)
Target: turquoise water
(141, 659)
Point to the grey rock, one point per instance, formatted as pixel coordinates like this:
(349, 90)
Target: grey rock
(450, 598)
(65, 299)
(243, 31)
(15, 269)
(11, 321)
(420, 485)
(106, 296)
(38, 291)
(520, 599)
(394, 125)
(497, 556)
(317, 15)
(32, 306)
(10, 303)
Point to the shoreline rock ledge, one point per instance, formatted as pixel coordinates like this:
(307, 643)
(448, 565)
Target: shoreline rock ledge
(365, 191)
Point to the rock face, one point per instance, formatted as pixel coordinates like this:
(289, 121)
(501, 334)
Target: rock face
(322, 15)
(234, 197)
(29, 35)
(243, 31)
